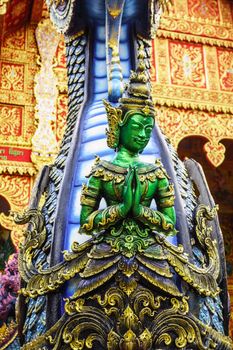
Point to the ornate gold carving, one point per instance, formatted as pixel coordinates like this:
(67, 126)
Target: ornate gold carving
(11, 119)
(12, 76)
(110, 215)
(180, 123)
(202, 230)
(129, 332)
(16, 190)
(208, 10)
(156, 219)
(44, 143)
(17, 101)
(129, 238)
(21, 168)
(225, 61)
(197, 89)
(108, 172)
(196, 30)
(34, 237)
(187, 64)
(184, 97)
(127, 315)
(203, 279)
(168, 323)
(61, 71)
(61, 116)
(114, 118)
(8, 332)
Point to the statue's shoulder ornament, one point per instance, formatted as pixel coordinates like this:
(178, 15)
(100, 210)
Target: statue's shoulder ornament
(152, 172)
(108, 171)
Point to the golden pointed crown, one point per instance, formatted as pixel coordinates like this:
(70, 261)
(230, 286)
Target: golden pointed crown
(136, 98)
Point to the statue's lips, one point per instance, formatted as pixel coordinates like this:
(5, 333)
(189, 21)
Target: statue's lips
(140, 142)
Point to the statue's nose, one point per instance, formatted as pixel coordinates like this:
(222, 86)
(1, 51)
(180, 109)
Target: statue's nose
(142, 134)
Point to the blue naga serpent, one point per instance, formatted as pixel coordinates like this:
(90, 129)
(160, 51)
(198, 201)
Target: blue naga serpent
(102, 42)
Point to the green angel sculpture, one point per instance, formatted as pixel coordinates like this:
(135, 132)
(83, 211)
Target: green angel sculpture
(127, 184)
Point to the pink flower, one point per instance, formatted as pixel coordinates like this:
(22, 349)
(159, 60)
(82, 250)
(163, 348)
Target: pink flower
(9, 286)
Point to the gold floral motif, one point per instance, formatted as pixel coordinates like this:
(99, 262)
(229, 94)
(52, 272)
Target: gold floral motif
(187, 64)
(61, 116)
(188, 84)
(107, 175)
(167, 325)
(196, 30)
(12, 76)
(186, 97)
(225, 61)
(16, 190)
(11, 120)
(200, 9)
(15, 40)
(215, 152)
(129, 238)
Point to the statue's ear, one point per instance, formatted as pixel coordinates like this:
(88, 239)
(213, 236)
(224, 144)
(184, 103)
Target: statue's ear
(114, 118)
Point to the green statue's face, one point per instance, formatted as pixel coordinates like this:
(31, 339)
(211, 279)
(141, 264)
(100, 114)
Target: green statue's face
(135, 133)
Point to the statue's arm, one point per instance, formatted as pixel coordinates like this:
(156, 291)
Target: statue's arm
(92, 219)
(165, 198)
(163, 219)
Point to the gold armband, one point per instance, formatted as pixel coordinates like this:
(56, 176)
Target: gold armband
(166, 196)
(109, 216)
(88, 226)
(155, 218)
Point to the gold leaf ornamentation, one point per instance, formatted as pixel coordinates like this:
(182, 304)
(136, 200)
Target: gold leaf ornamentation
(16, 190)
(114, 118)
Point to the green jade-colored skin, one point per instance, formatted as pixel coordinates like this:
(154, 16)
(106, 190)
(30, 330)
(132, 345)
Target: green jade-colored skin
(129, 201)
